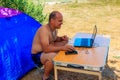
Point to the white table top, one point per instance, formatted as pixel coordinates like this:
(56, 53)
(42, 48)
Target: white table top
(100, 40)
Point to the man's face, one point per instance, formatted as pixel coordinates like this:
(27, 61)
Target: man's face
(58, 21)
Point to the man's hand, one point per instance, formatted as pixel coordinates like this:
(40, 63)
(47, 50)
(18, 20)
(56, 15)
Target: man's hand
(64, 38)
(61, 41)
(68, 48)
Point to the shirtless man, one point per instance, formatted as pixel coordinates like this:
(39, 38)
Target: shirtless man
(46, 43)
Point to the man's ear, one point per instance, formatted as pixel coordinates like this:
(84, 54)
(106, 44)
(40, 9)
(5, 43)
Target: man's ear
(52, 20)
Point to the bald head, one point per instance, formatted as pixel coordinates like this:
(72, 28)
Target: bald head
(53, 15)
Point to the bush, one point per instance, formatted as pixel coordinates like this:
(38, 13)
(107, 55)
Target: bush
(35, 11)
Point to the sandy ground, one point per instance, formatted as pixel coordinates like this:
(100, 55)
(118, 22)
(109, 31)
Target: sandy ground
(36, 74)
(82, 18)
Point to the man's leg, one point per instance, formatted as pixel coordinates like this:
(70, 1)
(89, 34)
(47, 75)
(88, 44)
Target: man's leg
(46, 59)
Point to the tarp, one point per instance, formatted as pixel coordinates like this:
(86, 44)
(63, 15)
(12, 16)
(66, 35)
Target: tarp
(17, 30)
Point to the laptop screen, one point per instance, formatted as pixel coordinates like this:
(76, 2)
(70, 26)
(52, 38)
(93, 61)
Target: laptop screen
(86, 42)
(94, 33)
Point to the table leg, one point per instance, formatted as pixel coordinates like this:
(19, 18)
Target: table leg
(100, 76)
(55, 73)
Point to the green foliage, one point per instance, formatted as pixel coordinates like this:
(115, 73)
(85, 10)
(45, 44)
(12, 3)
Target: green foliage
(74, 5)
(36, 11)
(113, 2)
(109, 1)
(28, 7)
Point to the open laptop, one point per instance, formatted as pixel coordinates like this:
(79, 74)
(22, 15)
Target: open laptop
(86, 42)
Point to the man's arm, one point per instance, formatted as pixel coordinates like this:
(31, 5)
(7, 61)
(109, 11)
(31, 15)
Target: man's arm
(63, 38)
(60, 41)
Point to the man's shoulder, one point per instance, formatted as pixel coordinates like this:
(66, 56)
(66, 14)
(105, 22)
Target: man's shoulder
(43, 28)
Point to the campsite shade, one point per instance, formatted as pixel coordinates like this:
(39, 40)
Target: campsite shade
(17, 30)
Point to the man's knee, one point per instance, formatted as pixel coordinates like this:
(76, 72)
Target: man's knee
(47, 56)
(52, 55)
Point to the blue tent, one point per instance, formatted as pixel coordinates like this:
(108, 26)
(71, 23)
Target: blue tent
(17, 30)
